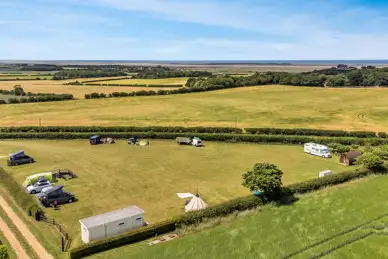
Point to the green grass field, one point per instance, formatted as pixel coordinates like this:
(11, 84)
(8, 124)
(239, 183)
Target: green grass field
(119, 175)
(23, 76)
(162, 81)
(261, 106)
(277, 232)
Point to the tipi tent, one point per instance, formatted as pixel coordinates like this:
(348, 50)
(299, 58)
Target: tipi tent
(196, 203)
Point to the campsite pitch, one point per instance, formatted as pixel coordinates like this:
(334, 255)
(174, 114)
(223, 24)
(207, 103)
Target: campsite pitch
(347, 221)
(260, 106)
(120, 175)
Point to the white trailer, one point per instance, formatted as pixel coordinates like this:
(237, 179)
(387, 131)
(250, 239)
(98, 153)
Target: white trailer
(111, 223)
(325, 173)
(317, 150)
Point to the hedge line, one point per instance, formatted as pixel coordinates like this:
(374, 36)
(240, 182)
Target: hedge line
(281, 139)
(139, 85)
(316, 132)
(14, 189)
(122, 239)
(121, 129)
(255, 131)
(239, 204)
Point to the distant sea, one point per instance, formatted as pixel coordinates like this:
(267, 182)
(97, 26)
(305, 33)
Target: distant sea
(243, 62)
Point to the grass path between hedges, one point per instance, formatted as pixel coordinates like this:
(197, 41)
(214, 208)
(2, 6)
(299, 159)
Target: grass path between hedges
(22, 227)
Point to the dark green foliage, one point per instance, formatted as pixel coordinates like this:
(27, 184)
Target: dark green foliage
(264, 177)
(339, 149)
(3, 252)
(318, 183)
(86, 73)
(122, 239)
(75, 129)
(370, 161)
(24, 200)
(171, 74)
(313, 132)
(220, 210)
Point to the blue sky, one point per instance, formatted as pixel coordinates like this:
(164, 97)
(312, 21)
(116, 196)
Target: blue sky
(193, 29)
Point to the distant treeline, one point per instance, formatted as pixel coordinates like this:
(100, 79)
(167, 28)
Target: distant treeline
(81, 73)
(171, 74)
(28, 97)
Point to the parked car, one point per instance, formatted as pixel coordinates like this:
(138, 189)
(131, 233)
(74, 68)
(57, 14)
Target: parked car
(57, 195)
(19, 158)
(38, 186)
(37, 177)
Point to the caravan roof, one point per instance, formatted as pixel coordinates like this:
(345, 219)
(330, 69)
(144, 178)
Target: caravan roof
(19, 153)
(319, 146)
(94, 137)
(55, 188)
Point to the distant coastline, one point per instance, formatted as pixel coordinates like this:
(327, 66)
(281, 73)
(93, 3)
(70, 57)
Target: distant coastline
(210, 62)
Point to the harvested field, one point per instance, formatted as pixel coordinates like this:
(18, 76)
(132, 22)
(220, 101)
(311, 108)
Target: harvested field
(162, 81)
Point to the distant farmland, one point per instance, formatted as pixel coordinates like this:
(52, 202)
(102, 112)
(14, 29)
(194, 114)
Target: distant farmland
(150, 82)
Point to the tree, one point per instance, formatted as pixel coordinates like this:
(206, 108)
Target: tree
(264, 177)
(370, 161)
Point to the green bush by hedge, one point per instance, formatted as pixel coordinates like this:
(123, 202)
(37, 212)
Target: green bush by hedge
(3, 252)
(122, 239)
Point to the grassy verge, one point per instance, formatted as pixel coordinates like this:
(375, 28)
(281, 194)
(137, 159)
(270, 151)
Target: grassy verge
(10, 251)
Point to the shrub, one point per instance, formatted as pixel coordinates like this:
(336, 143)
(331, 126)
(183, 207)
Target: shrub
(339, 149)
(370, 161)
(122, 239)
(3, 252)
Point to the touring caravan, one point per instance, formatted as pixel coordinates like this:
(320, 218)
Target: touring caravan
(317, 150)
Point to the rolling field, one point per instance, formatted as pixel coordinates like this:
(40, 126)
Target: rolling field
(162, 81)
(23, 76)
(261, 106)
(119, 175)
(337, 222)
(79, 91)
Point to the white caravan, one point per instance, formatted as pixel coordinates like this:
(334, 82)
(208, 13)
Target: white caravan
(317, 150)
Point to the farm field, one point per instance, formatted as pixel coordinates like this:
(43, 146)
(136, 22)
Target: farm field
(24, 76)
(115, 176)
(162, 81)
(278, 232)
(79, 91)
(260, 106)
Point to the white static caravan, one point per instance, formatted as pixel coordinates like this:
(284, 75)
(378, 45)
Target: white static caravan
(111, 223)
(317, 150)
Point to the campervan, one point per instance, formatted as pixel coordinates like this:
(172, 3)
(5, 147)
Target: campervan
(317, 150)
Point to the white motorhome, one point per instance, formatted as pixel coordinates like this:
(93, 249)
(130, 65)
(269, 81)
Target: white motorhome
(317, 150)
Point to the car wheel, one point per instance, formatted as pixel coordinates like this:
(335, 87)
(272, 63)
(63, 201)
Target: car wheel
(70, 200)
(33, 192)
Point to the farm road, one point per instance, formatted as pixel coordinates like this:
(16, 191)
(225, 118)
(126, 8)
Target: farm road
(24, 230)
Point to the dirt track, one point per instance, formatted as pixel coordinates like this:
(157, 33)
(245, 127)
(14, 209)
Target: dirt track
(12, 240)
(25, 231)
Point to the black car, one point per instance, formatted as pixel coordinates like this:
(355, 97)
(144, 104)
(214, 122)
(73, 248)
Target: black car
(57, 198)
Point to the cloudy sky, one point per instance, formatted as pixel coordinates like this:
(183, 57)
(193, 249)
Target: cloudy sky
(193, 29)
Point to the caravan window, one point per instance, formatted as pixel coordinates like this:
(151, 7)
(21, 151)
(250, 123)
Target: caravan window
(121, 224)
(139, 218)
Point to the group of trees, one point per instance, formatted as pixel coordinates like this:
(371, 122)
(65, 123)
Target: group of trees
(171, 73)
(28, 97)
(86, 73)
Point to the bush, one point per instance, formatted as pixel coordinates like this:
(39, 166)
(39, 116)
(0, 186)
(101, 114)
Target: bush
(122, 239)
(3, 252)
(370, 161)
(339, 149)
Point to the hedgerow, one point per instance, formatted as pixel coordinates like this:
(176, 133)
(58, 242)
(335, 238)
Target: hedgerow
(314, 132)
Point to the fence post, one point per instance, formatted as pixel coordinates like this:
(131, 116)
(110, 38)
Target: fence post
(63, 244)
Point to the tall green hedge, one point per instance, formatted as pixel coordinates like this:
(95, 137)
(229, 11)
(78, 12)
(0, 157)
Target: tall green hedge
(314, 132)
(32, 129)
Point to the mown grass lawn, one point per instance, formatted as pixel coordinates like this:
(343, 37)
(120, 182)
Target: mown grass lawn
(260, 106)
(277, 232)
(119, 175)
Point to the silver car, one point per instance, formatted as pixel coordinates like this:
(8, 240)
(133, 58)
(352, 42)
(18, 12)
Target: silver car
(38, 187)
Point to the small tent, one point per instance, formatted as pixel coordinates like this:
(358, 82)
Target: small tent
(196, 203)
(349, 158)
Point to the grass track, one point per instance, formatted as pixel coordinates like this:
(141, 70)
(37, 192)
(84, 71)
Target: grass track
(115, 176)
(261, 106)
(277, 232)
